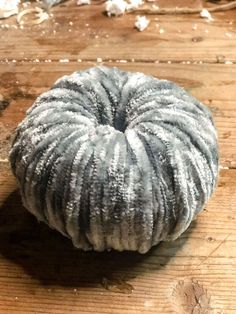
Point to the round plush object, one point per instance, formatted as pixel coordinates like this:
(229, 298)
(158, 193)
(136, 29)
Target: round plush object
(115, 159)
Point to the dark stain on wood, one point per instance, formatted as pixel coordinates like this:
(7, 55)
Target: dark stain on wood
(117, 285)
(197, 39)
(226, 135)
(7, 79)
(4, 103)
(186, 83)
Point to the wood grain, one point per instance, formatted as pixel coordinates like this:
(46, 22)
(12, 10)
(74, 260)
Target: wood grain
(40, 271)
(94, 35)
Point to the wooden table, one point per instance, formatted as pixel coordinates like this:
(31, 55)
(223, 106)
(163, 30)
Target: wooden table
(40, 271)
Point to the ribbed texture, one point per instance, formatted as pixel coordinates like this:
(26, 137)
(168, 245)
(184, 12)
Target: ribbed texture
(114, 159)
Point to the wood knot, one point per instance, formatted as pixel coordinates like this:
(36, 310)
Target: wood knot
(191, 297)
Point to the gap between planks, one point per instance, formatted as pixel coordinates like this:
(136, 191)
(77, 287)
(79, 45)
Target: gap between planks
(100, 61)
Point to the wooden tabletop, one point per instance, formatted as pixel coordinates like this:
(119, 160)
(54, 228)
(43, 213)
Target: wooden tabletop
(40, 271)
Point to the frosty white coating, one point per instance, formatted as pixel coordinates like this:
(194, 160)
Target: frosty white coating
(116, 160)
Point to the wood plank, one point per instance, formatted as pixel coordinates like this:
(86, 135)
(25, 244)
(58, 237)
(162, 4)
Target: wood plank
(215, 85)
(94, 35)
(40, 271)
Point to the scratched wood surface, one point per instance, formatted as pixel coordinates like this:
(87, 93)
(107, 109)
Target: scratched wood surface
(40, 271)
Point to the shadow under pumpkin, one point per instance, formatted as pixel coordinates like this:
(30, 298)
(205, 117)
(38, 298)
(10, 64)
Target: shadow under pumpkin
(49, 257)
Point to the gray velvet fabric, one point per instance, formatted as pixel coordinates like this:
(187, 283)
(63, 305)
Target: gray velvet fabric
(114, 159)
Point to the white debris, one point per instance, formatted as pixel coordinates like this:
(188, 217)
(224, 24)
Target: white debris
(228, 62)
(116, 7)
(64, 60)
(134, 4)
(222, 167)
(83, 2)
(39, 13)
(194, 27)
(228, 35)
(8, 8)
(161, 30)
(99, 59)
(205, 14)
(141, 23)
(155, 7)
